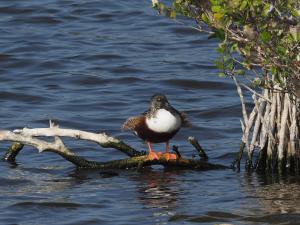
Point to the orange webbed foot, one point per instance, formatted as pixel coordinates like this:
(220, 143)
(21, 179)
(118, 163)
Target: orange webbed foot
(154, 156)
(170, 156)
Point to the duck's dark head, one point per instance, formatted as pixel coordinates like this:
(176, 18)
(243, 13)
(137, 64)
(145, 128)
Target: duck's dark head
(158, 101)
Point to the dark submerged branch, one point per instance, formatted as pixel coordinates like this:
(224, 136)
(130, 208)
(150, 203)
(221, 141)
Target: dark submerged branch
(175, 149)
(12, 152)
(198, 147)
(123, 147)
(237, 162)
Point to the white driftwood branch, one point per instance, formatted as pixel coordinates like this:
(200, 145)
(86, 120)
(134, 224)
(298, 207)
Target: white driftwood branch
(100, 138)
(136, 159)
(41, 145)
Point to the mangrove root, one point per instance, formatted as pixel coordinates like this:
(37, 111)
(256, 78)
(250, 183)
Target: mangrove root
(271, 130)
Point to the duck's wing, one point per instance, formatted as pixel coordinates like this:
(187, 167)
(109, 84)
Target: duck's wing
(132, 122)
(185, 120)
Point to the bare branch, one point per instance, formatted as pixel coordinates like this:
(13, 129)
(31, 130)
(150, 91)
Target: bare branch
(198, 147)
(37, 143)
(255, 92)
(133, 162)
(100, 138)
(239, 90)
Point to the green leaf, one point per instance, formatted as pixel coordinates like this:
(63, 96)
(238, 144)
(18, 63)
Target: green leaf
(229, 64)
(281, 50)
(219, 64)
(266, 9)
(221, 74)
(273, 70)
(205, 18)
(264, 36)
(233, 47)
(243, 5)
(221, 48)
(216, 9)
(218, 16)
(295, 12)
(161, 6)
(295, 33)
(234, 4)
(218, 33)
(215, 2)
(173, 14)
(176, 6)
(240, 72)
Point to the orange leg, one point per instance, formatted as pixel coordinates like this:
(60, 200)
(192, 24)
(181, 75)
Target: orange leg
(168, 155)
(152, 155)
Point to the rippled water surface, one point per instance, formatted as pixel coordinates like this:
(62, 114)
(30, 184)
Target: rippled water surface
(90, 65)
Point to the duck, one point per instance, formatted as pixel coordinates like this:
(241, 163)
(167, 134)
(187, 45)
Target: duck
(158, 124)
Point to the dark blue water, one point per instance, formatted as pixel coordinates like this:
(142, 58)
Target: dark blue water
(90, 65)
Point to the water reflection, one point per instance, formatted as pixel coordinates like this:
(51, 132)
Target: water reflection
(159, 192)
(274, 194)
(158, 189)
(18, 182)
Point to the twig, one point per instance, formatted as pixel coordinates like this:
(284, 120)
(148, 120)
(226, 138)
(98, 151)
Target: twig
(239, 90)
(192, 27)
(198, 147)
(239, 156)
(175, 149)
(254, 92)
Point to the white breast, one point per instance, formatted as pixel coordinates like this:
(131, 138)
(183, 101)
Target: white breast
(163, 121)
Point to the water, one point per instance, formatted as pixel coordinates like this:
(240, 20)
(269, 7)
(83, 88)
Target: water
(90, 65)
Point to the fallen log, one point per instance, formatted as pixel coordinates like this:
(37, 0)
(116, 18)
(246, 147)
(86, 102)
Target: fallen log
(136, 160)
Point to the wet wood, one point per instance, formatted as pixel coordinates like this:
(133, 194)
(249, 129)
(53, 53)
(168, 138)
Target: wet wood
(137, 159)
